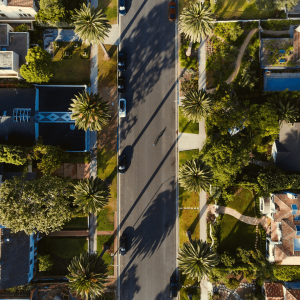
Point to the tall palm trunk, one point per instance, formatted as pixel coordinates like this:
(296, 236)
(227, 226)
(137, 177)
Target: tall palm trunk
(106, 55)
(189, 50)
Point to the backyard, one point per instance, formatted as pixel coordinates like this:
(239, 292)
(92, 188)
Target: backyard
(71, 68)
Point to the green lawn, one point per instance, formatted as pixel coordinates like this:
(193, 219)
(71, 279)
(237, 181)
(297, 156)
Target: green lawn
(187, 155)
(73, 70)
(240, 9)
(77, 223)
(184, 292)
(105, 220)
(110, 7)
(78, 158)
(188, 221)
(68, 247)
(186, 126)
(244, 201)
(108, 240)
(234, 234)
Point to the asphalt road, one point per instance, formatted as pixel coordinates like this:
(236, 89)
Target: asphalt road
(147, 193)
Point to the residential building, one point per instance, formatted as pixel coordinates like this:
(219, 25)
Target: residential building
(283, 245)
(282, 291)
(285, 150)
(13, 50)
(22, 11)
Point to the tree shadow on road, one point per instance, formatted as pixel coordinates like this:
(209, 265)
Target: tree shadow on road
(129, 284)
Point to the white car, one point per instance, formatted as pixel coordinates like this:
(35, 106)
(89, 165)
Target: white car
(122, 108)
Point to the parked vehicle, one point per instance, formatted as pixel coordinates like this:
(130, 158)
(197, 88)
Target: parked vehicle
(122, 164)
(121, 84)
(123, 242)
(122, 62)
(173, 286)
(122, 108)
(172, 11)
(122, 8)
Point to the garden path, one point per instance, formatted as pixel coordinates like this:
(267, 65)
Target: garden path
(245, 219)
(239, 59)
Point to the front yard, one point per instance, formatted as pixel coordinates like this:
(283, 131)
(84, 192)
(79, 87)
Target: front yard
(185, 125)
(108, 241)
(110, 8)
(72, 70)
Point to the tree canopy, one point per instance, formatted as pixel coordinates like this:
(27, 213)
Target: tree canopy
(38, 69)
(16, 155)
(39, 205)
(51, 10)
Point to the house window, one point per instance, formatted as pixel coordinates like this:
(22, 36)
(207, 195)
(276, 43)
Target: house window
(22, 114)
(11, 39)
(31, 248)
(31, 261)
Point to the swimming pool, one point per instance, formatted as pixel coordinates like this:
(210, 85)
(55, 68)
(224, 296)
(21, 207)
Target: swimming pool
(280, 83)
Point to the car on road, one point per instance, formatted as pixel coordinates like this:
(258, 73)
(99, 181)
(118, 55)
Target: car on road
(122, 164)
(122, 8)
(122, 62)
(172, 11)
(173, 286)
(123, 241)
(122, 108)
(121, 84)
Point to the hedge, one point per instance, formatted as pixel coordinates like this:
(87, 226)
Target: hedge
(287, 273)
(16, 155)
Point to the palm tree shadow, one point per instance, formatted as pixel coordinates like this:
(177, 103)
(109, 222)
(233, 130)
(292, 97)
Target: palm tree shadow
(194, 224)
(129, 279)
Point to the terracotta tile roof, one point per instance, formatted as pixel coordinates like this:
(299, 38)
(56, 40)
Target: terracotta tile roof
(274, 291)
(279, 253)
(288, 229)
(23, 3)
(292, 294)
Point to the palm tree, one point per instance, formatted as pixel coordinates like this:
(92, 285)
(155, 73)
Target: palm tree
(196, 21)
(92, 25)
(87, 275)
(196, 105)
(195, 175)
(89, 111)
(91, 195)
(286, 106)
(196, 259)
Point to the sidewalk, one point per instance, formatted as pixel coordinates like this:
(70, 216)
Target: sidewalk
(113, 36)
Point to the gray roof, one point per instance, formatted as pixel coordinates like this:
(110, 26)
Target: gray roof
(18, 43)
(289, 138)
(17, 133)
(14, 267)
(3, 35)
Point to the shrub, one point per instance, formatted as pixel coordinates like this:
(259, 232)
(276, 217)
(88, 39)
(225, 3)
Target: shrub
(16, 155)
(232, 283)
(227, 259)
(257, 207)
(188, 62)
(287, 273)
(21, 28)
(45, 262)
(85, 54)
(229, 31)
(215, 232)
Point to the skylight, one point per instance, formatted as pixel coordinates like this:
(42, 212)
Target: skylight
(294, 209)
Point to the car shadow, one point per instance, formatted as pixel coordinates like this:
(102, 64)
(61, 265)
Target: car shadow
(128, 152)
(129, 233)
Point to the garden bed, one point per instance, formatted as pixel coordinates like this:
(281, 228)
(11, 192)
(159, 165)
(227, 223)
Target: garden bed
(105, 220)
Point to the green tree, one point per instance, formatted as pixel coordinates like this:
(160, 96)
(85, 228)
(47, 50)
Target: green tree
(87, 275)
(196, 105)
(196, 259)
(227, 259)
(286, 106)
(91, 195)
(92, 25)
(16, 155)
(229, 31)
(51, 10)
(50, 157)
(232, 283)
(276, 4)
(244, 255)
(45, 262)
(39, 205)
(21, 28)
(226, 156)
(195, 21)
(38, 69)
(195, 175)
(89, 111)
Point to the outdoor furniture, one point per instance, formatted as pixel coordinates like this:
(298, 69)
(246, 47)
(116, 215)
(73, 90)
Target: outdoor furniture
(66, 53)
(282, 60)
(281, 51)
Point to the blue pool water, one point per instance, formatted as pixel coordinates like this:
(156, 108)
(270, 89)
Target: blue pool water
(296, 245)
(281, 51)
(280, 84)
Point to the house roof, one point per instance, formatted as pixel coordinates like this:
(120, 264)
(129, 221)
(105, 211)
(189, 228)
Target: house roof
(289, 138)
(14, 259)
(19, 42)
(15, 132)
(3, 35)
(292, 294)
(274, 291)
(23, 3)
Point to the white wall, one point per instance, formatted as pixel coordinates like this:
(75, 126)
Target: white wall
(12, 12)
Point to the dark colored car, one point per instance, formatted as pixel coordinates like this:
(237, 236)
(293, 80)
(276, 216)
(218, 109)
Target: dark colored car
(172, 11)
(122, 164)
(123, 241)
(173, 286)
(121, 84)
(122, 8)
(122, 62)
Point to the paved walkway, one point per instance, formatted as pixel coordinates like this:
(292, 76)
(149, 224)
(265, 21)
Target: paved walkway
(113, 36)
(188, 141)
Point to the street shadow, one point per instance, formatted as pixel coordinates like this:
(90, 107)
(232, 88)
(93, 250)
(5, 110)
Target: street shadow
(129, 284)
(163, 295)
(128, 152)
(159, 219)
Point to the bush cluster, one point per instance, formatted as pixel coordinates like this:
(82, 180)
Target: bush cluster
(287, 273)
(188, 62)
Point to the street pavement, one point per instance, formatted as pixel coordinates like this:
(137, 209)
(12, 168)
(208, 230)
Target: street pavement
(147, 136)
